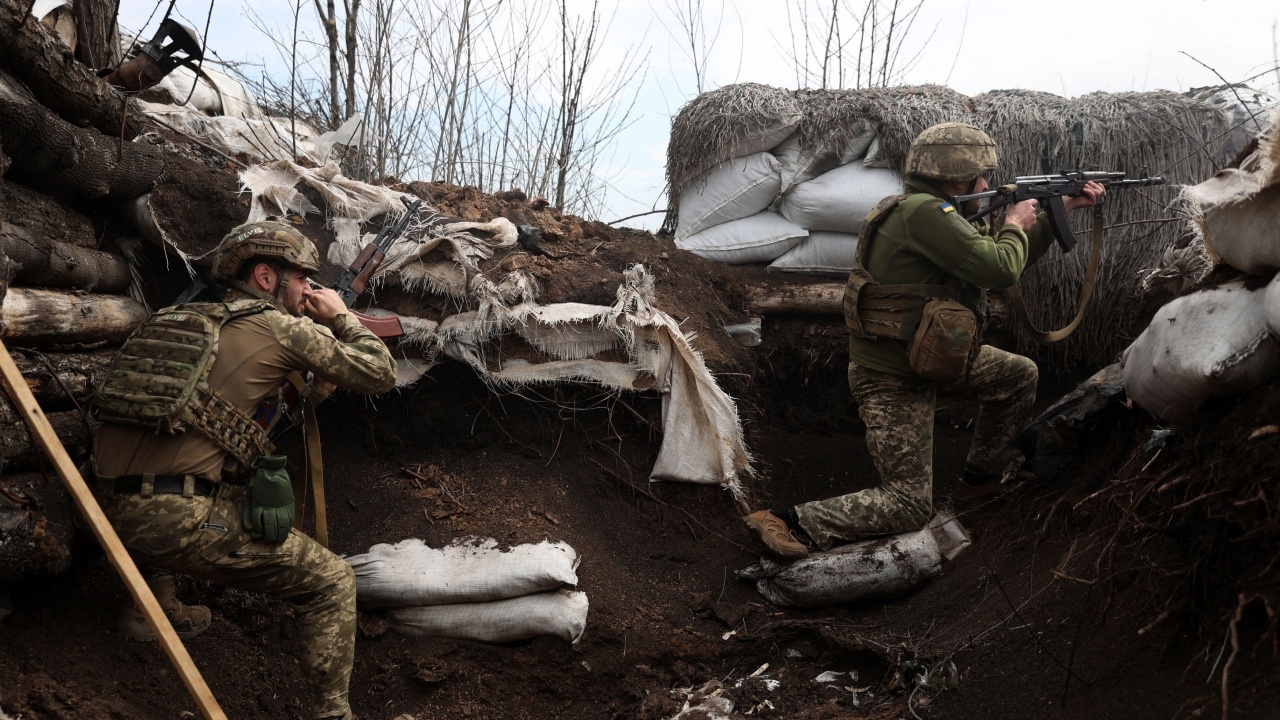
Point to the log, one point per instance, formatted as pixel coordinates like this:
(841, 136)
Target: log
(97, 33)
(45, 215)
(78, 373)
(52, 264)
(36, 527)
(44, 317)
(18, 451)
(817, 299)
(50, 154)
(35, 55)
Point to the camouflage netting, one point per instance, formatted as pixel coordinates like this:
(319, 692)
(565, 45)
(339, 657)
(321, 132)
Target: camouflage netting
(1184, 137)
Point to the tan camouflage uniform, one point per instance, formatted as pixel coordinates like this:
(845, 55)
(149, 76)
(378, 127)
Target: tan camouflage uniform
(203, 536)
(929, 243)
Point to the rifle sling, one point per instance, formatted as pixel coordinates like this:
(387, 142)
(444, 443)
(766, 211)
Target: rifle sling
(1086, 291)
(315, 463)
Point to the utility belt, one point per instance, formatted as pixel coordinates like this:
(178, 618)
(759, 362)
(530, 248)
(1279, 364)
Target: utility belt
(941, 332)
(149, 484)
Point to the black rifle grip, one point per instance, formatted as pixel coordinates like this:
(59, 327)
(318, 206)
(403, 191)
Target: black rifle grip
(1058, 222)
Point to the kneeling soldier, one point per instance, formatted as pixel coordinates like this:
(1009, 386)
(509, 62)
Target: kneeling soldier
(185, 473)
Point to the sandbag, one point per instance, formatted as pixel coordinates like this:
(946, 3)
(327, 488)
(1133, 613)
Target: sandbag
(734, 190)
(870, 569)
(559, 613)
(1271, 306)
(801, 164)
(411, 573)
(1245, 234)
(1213, 342)
(838, 200)
(759, 238)
(822, 253)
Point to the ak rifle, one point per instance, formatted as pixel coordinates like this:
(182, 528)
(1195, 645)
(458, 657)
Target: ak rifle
(355, 278)
(1049, 189)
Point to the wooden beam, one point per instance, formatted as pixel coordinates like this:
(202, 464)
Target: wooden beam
(107, 538)
(817, 299)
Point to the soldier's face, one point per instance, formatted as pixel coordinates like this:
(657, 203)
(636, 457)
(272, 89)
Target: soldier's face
(296, 292)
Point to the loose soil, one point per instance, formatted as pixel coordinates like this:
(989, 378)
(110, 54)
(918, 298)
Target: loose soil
(1065, 607)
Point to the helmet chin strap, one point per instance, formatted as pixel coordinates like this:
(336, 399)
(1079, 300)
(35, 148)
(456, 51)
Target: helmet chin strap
(277, 298)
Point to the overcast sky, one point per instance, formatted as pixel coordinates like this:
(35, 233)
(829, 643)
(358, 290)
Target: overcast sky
(1069, 48)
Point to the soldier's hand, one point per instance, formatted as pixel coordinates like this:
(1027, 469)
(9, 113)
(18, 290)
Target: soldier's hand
(1093, 192)
(269, 506)
(1022, 214)
(323, 305)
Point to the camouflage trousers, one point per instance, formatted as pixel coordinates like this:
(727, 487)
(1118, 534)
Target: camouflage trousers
(898, 412)
(203, 537)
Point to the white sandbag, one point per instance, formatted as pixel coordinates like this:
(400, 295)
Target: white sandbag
(822, 253)
(760, 238)
(1213, 342)
(1271, 306)
(734, 190)
(1244, 234)
(411, 573)
(804, 164)
(559, 613)
(838, 200)
(873, 568)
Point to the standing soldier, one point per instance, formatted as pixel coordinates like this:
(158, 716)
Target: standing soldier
(916, 306)
(185, 473)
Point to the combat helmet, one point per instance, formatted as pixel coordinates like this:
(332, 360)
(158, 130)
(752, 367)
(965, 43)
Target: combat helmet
(267, 240)
(951, 151)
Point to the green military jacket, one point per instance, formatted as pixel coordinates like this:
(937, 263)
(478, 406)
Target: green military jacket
(926, 240)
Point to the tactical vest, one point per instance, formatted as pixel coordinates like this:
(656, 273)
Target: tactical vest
(873, 310)
(161, 379)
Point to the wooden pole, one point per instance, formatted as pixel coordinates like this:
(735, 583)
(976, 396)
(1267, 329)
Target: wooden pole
(119, 557)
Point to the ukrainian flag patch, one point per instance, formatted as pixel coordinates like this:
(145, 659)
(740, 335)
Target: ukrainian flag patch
(946, 208)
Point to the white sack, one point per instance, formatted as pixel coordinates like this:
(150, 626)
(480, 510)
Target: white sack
(1245, 234)
(1271, 306)
(822, 253)
(1213, 342)
(804, 164)
(560, 613)
(411, 573)
(858, 571)
(734, 190)
(838, 200)
(759, 238)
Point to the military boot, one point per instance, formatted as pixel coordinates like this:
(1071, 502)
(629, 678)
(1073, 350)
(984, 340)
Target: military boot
(188, 620)
(776, 536)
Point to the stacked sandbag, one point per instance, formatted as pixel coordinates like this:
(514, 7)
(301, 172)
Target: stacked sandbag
(473, 589)
(878, 568)
(1222, 340)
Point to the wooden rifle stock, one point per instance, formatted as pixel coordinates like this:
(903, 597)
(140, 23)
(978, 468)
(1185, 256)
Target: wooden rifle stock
(383, 327)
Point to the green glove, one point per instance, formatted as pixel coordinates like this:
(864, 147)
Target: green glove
(268, 507)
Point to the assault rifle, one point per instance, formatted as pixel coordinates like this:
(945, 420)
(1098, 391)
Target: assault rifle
(355, 278)
(1049, 189)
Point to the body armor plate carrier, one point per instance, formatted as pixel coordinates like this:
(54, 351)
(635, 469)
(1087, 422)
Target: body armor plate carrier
(161, 379)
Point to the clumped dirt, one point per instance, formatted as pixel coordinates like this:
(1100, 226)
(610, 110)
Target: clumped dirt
(1095, 596)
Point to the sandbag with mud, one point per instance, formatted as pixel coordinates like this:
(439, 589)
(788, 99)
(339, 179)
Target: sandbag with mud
(411, 573)
(559, 613)
(877, 568)
(1213, 342)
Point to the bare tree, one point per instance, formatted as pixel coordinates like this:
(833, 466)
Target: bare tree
(822, 41)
